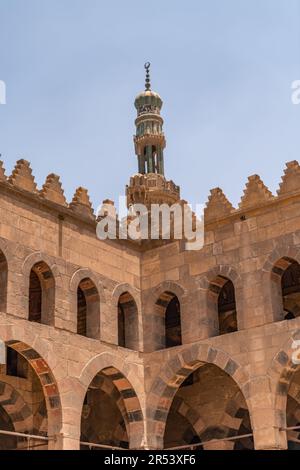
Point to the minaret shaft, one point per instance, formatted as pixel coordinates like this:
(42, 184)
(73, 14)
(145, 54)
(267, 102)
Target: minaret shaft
(149, 138)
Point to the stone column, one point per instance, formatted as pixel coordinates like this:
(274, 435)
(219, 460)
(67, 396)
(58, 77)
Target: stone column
(141, 161)
(161, 161)
(69, 437)
(266, 430)
(149, 158)
(266, 421)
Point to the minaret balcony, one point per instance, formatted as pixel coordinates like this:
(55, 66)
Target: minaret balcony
(149, 139)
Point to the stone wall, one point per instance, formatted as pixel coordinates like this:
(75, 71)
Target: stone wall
(243, 245)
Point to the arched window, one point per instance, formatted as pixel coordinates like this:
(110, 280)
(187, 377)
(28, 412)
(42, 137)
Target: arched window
(290, 285)
(88, 309)
(128, 322)
(3, 282)
(173, 323)
(223, 296)
(169, 311)
(41, 294)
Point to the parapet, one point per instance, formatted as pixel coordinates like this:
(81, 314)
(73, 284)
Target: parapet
(152, 189)
(256, 196)
(52, 192)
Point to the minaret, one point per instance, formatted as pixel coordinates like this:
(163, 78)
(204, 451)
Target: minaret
(149, 139)
(149, 185)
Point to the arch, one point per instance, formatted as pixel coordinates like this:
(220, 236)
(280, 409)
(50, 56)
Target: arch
(3, 281)
(219, 319)
(104, 381)
(47, 381)
(161, 319)
(86, 273)
(190, 424)
(220, 270)
(285, 280)
(5, 259)
(233, 422)
(290, 289)
(213, 405)
(125, 385)
(281, 370)
(271, 278)
(97, 310)
(121, 289)
(88, 309)
(39, 257)
(128, 327)
(168, 310)
(169, 286)
(293, 411)
(175, 372)
(221, 298)
(54, 287)
(105, 398)
(7, 271)
(125, 300)
(41, 305)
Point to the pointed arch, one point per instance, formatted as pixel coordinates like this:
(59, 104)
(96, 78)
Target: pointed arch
(112, 376)
(43, 283)
(41, 305)
(276, 263)
(126, 301)
(221, 299)
(168, 307)
(167, 316)
(87, 302)
(88, 309)
(175, 372)
(47, 380)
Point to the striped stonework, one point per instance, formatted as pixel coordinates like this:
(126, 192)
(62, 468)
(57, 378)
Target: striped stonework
(46, 378)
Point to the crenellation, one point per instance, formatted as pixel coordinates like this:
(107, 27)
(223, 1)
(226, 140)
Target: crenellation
(291, 179)
(81, 203)
(217, 206)
(22, 176)
(255, 193)
(52, 190)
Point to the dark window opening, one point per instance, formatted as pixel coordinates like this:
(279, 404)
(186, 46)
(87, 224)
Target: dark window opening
(173, 324)
(88, 309)
(290, 286)
(35, 298)
(121, 326)
(128, 334)
(227, 308)
(81, 312)
(41, 294)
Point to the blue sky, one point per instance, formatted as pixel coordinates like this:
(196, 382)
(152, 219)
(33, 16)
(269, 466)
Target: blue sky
(224, 69)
